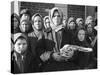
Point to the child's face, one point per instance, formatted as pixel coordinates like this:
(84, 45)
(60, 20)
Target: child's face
(72, 25)
(81, 35)
(20, 46)
(47, 21)
(38, 23)
(56, 18)
(24, 26)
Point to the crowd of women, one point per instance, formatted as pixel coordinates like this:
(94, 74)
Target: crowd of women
(36, 42)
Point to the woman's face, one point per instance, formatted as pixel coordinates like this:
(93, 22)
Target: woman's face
(72, 25)
(24, 27)
(38, 23)
(56, 18)
(89, 28)
(20, 46)
(47, 22)
(81, 35)
(15, 22)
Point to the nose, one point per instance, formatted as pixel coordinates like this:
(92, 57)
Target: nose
(21, 46)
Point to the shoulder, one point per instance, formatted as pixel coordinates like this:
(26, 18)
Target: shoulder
(31, 34)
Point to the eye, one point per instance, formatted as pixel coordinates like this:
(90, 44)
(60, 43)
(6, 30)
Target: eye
(24, 44)
(19, 43)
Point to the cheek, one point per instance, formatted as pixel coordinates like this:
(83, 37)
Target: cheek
(16, 47)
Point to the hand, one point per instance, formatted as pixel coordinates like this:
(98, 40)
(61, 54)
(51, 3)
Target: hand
(57, 56)
(45, 56)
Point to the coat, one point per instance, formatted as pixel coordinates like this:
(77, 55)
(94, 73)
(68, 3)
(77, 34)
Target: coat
(29, 63)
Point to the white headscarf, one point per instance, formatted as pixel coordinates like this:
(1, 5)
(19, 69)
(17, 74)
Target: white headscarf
(51, 15)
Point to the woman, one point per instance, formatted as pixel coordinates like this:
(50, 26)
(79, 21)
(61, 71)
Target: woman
(38, 39)
(57, 62)
(15, 21)
(91, 34)
(84, 58)
(47, 26)
(14, 27)
(25, 26)
(25, 14)
(71, 29)
(80, 23)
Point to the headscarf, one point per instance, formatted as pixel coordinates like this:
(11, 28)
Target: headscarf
(14, 15)
(88, 20)
(71, 19)
(38, 34)
(46, 17)
(78, 20)
(17, 35)
(51, 15)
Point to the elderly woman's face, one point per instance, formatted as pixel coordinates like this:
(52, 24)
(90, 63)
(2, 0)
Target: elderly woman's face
(56, 18)
(47, 22)
(81, 35)
(72, 25)
(38, 23)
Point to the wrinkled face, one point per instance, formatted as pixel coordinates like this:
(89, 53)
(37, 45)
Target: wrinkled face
(25, 17)
(47, 22)
(89, 28)
(24, 27)
(72, 25)
(15, 22)
(20, 46)
(56, 18)
(37, 23)
(81, 35)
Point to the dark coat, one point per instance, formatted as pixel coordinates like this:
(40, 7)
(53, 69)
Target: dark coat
(29, 63)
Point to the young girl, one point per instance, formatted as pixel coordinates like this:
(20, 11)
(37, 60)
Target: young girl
(22, 60)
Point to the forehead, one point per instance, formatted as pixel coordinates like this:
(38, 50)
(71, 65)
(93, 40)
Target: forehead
(14, 18)
(24, 22)
(37, 18)
(47, 19)
(81, 31)
(56, 12)
(25, 15)
(21, 40)
(89, 25)
(71, 22)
